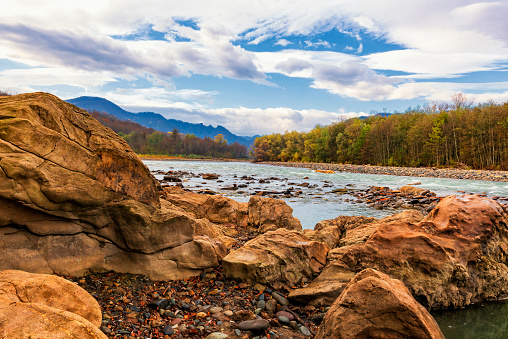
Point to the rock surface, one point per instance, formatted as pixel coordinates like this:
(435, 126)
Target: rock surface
(375, 306)
(45, 306)
(268, 214)
(281, 255)
(453, 257)
(75, 198)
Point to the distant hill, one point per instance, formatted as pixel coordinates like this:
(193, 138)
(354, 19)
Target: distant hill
(158, 122)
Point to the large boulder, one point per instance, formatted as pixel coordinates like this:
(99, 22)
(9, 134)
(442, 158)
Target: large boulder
(375, 306)
(45, 306)
(268, 214)
(281, 255)
(75, 198)
(455, 256)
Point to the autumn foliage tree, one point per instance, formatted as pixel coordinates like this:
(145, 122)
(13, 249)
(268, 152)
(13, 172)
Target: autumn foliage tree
(444, 135)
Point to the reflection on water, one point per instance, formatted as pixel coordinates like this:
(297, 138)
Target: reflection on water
(484, 320)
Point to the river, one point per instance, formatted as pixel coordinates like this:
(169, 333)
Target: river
(318, 203)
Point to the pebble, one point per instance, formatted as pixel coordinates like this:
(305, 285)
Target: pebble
(280, 299)
(305, 331)
(215, 310)
(271, 306)
(254, 325)
(283, 320)
(261, 305)
(217, 335)
(285, 314)
(238, 332)
(168, 330)
(228, 313)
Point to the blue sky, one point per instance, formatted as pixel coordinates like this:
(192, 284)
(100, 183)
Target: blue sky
(257, 67)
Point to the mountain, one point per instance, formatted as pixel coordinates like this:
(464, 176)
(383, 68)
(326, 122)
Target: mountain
(158, 122)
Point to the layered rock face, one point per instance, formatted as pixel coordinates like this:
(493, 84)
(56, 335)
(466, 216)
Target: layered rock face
(281, 255)
(46, 306)
(455, 256)
(375, 306)
(74, 198)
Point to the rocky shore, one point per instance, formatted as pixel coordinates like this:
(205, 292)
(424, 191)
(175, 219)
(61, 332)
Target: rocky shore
(451, 173)
(160, 261)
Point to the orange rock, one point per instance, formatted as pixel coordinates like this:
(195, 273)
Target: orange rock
(375, 306)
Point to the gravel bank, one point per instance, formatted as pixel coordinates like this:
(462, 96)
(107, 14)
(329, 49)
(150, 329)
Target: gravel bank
(451, 173)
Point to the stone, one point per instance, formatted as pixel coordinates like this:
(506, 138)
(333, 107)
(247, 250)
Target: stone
(271, 306)
(373, 305)
(215, 208)
(217, 335)
(74, 198)
(332, 230)
(254, 325)
(410, 190)
(215, 310)
(282, 255)
(283, 320)
(210, 176)
(453, 257)
(168, 330)
(268, 214)
(305, 331)
(280, 299)
(45, 306)
(243, 315)
(228, 313)
(288, 315)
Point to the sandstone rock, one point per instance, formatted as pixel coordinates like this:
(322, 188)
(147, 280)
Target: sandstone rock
(332, 230)
(375, 306)
(216, 208)
(411, 190)
(45, 306)
(281, 255)
(267, 214)
(453, 257)
(75, 198)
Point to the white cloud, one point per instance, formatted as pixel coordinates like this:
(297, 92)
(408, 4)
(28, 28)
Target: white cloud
(72, 42)
(283, 42)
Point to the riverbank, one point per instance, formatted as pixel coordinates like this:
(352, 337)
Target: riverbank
(160, 157)
(449, 173)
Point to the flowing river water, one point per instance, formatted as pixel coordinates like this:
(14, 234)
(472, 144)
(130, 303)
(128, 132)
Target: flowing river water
(317, 202)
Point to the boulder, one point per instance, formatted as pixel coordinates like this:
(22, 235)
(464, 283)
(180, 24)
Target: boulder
(411, 190)
(282, 255)
(375, 306)
(75, 198)
(45, 306)
(455, 256)
(331, 231)
(215, 208)
(268, 214)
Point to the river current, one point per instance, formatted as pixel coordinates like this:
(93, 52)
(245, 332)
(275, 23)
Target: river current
(319, 203)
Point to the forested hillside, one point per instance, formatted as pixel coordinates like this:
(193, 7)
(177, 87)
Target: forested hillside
(149, 141)
(459, 135)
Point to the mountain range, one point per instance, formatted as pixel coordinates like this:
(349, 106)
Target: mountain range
(158, 122)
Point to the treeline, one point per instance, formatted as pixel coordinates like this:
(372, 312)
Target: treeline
(456, 135)
(145, 140)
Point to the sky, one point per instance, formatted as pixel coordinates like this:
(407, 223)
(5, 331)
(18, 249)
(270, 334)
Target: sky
(257, 67)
